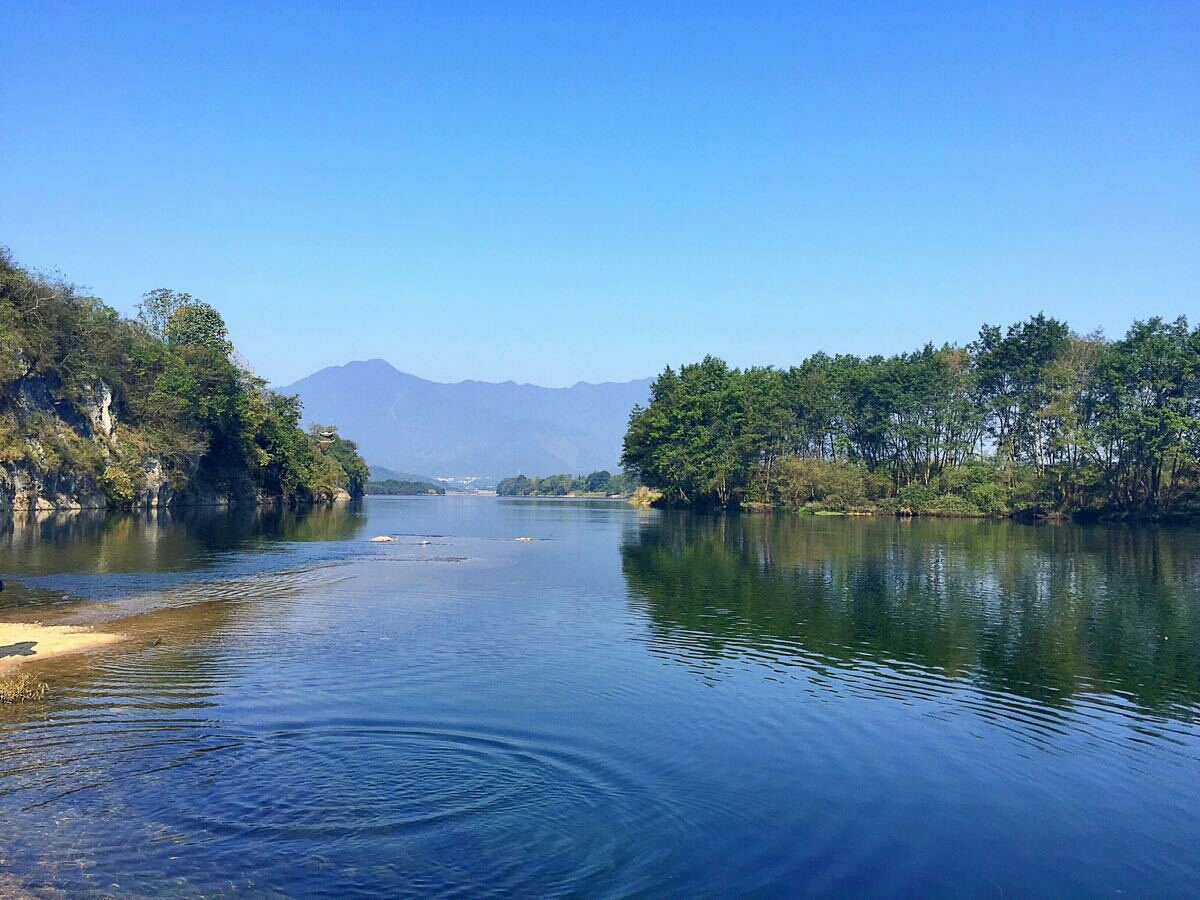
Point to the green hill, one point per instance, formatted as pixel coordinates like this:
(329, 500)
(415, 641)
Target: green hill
(97, 410)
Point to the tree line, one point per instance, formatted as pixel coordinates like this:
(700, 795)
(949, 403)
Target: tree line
(601, 482)
(179, 392)
(1033, 417)
(400, 487)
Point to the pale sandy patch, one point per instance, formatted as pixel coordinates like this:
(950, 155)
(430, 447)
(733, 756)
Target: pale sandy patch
(28, 642)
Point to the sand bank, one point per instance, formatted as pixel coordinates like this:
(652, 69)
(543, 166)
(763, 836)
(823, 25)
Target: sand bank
(28, 642)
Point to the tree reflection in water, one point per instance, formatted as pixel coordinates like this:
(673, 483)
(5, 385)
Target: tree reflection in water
(1047, 613)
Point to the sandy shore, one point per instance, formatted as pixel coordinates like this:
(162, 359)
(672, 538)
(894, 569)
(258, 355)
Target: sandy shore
(27, 642)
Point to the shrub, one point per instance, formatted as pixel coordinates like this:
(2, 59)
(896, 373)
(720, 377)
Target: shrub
(924, 500)
(990, 498)
(950, 505)
(12, 443)
(645, 496)
(917, 497)
(23, 688)
(831, 485)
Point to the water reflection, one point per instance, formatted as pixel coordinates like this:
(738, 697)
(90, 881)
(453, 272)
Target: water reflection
(1046, 613)
(883, 709)
(50, 559)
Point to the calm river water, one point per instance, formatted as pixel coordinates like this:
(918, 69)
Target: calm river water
(634, 702)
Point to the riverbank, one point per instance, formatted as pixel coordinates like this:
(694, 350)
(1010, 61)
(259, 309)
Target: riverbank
(22, 642)
(287, 686)
(963, 511)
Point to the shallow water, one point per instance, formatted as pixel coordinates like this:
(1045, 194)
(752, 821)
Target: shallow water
(634, 703)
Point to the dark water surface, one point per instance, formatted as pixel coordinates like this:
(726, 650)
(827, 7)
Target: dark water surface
(634, 703)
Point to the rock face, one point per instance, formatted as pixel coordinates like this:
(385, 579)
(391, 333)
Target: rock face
(31, 484)
(157, 492)
(65, 455)
(24, 485)
(24, 488)
(99, 412)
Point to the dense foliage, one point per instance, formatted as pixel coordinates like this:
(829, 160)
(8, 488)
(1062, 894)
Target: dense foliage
(601, 483)
(181, 400)
(393, 487)
(1030, 418)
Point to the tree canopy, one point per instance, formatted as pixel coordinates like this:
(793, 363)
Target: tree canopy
(601, 483)
(400, 487)
(1032, 417)
(177, 394)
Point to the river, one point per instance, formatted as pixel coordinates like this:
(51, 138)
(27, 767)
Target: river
(633, 702)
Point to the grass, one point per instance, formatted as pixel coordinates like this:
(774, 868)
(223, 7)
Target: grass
(23, 688)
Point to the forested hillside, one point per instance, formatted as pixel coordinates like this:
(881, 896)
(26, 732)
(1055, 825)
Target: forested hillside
(1033, 418)
(99, 410)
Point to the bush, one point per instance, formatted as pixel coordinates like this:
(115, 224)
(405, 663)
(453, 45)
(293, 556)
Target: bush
(924, 500)
(645, 496)
(23, 688)
(916, 497)
(12, 444)
(990, 499)
(950, 505)
(878, 484)
(121, 485)
(830, 485)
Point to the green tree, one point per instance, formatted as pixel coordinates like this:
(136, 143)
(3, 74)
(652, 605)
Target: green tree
(597, 481)
(196, 324)
(157, 307)
(1032, 418)
(1148, 412)
(691, 440)
(1014, 384)
(354, 469)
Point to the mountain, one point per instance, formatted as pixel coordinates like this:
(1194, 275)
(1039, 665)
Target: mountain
(383, 473)
(463, 483)
(476, 428)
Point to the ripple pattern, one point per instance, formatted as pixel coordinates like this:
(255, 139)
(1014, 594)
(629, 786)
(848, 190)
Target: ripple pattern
(631, 705)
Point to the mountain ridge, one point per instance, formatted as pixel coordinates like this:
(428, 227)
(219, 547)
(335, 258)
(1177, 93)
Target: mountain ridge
(381, 362)
(492, 429)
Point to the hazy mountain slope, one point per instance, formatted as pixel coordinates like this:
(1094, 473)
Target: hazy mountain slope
(472, 427)
(383, 473)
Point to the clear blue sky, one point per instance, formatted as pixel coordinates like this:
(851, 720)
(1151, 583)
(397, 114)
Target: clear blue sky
(505, 191)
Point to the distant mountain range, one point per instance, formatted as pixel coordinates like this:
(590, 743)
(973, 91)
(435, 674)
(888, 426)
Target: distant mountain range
(472, 428)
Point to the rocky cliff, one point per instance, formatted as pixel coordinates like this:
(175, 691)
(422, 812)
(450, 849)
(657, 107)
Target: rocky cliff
(97, 410)
(57, 454)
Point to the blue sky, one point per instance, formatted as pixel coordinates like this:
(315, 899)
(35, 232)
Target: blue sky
(502, 191)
